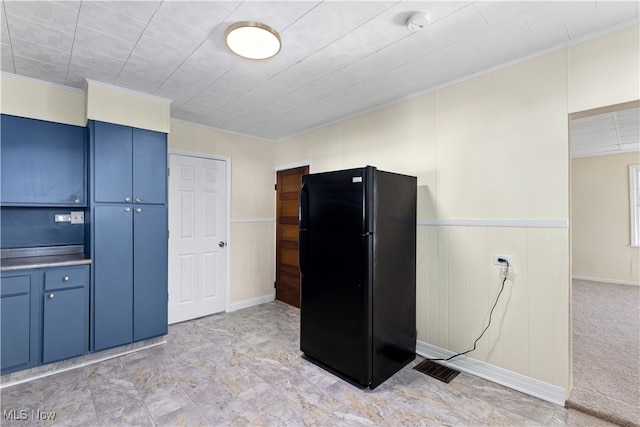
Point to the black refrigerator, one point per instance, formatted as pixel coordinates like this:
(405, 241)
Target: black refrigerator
(357, 245)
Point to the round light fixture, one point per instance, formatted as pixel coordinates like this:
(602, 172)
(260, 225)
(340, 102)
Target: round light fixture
(252, 40)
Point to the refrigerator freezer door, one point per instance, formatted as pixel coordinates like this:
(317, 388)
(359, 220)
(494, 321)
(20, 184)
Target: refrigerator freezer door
(336, 201)
(394, 269)
(335, 326)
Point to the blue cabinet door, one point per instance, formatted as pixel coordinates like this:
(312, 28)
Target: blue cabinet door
(65, 324)
(65, 313)
(18, 321)
(150, 272)
(112, 163)
(149, 167)
(43, 163)
(113, 276)
(130, 164)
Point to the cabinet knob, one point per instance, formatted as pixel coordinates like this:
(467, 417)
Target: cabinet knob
(65, 279)
(127, 209)
(127, 199)
(138, 210)
(50, 296)
(78, 201)
(138, 199)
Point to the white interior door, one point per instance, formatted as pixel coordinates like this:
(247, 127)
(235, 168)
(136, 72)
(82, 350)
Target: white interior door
(197, 237)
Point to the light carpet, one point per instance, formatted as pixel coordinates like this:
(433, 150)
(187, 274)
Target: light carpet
(606, 351)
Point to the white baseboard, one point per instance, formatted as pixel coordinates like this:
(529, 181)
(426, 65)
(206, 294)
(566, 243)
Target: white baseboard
(601, 280)
(522, 383)
(44, 371)
(250, 302)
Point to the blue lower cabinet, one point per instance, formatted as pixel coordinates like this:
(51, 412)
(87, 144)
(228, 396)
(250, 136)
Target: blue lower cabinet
(130, 261)
(44, 316)
(19, 317)
(113, 276)
(150, 255)
(65, 314)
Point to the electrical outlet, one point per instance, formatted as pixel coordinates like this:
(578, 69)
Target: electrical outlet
(77, 217)
(496, 257)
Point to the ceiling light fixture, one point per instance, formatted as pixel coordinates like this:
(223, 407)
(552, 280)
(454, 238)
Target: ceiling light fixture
(252, 40)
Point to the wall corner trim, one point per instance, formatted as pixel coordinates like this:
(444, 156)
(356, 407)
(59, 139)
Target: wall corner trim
(513, 380)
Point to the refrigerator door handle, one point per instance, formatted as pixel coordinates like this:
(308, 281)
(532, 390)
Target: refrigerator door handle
(303, 207)
(302, 251)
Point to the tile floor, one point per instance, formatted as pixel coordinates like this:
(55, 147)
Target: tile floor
(245, 369)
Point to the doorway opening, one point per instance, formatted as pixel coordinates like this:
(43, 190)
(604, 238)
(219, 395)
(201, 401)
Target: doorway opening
(605, 296)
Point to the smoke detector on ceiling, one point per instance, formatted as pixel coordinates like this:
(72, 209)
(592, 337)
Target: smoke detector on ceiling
(417, 21)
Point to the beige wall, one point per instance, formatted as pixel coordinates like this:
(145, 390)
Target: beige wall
(252, 244)
(600, 217)
(112, 104)
(39, 100)
(604, 71)
(491, 157)
(477, 149)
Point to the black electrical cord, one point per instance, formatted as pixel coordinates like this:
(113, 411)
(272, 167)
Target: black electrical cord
(490, 314)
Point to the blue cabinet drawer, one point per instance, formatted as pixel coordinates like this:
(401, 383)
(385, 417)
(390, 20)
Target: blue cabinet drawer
(68, 277)
(15, 285)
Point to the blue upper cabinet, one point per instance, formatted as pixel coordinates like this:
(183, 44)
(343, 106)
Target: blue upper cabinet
(149, 167)
(113, 163)
(43, 163)
(130, 164)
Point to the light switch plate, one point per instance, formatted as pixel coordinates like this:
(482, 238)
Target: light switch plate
(77, 217)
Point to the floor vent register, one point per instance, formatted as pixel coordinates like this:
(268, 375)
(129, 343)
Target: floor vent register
(436, 371)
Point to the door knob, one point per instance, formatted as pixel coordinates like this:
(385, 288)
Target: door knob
(65, 279)
(222, 244)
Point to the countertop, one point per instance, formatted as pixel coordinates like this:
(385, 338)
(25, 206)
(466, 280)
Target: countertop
(23, 259)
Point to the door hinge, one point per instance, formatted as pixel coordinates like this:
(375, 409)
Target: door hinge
(168, 171)
(275, 187)
(274, 284)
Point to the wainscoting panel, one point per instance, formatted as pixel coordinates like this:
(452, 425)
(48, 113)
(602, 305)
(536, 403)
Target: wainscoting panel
(458, 284)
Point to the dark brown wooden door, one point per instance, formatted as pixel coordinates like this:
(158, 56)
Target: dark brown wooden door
(287, 268)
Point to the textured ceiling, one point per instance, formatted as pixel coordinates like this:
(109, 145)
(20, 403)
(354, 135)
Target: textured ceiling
(607, 133)
(339, 58)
